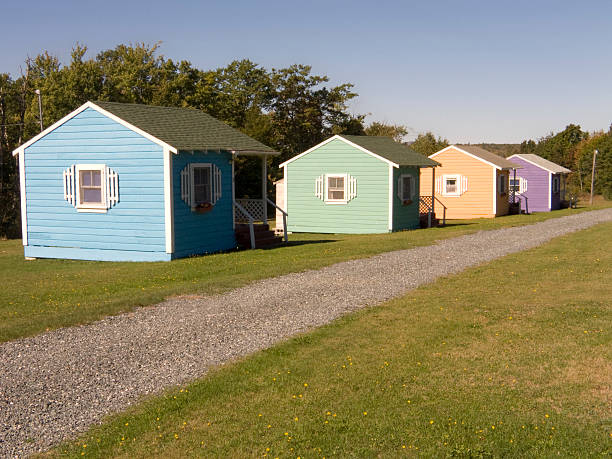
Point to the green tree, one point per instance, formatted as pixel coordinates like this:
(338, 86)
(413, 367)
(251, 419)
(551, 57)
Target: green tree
(396, 131)
(427, 144)
(583, 161)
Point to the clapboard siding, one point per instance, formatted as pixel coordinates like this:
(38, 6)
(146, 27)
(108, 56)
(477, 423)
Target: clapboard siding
(134, 224)
(405, 216)
(538, 184)
(213, 231)
(477, 201)
(366, 213)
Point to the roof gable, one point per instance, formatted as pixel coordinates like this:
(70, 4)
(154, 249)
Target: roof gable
(481, 154)
(382, 148)
(173, 128)
(542, 163)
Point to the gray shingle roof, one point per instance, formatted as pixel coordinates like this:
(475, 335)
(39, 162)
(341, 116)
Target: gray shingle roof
(488, 156)
(185, 128)
(391, 150)
(542, 163)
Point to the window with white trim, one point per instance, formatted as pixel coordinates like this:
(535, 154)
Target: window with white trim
(91, 187)
(517, 185)
(451, 185)
(202, 181)
(200, 185)
(335, 188)
(406, 188)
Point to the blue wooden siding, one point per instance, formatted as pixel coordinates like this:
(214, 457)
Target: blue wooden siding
(134, 224)
(405, 216)
(203, 233)
(368, 212)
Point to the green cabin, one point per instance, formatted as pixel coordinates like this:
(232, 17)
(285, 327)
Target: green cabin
(353, 184)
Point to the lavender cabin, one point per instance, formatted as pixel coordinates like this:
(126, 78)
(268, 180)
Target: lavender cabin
(540, 184)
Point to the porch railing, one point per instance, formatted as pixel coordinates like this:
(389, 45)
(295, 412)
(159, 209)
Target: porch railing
(241, 215)
(425, 206)
(515, 196)
(285, 238)
(253, 208)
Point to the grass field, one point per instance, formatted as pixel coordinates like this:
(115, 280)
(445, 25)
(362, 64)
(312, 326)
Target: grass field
(512, 358)
(46, 294)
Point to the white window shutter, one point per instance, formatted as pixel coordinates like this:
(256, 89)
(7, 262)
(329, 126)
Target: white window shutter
(352, 187)
(400, 186)
(522, 185)
(112, 188)
(440, 185)
(319, 187)
(69, 188)
(186, 186)
(464, 184)
(412, 188)
(216, 184)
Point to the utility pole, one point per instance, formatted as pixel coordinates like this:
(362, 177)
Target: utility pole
(593, 176)
(39, 109)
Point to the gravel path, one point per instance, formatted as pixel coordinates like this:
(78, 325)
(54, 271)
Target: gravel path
(58, 383)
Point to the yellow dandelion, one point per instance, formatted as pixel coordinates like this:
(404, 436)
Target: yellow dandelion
(295, 418)
(431, 421)
(305, 384)
(365, 413)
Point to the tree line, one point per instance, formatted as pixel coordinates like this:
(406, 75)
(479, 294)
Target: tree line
(290, 109)
(573, 148)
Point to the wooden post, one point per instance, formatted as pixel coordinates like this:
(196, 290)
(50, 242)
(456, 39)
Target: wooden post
(264, 187)
(593, 176)
(433, 196)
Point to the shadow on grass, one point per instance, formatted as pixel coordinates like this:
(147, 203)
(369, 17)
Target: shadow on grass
(296, 243)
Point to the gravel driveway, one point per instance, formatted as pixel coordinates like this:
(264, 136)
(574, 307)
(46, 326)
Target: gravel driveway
(58, 383)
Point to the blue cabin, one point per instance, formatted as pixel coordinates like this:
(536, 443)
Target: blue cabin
(127, 182)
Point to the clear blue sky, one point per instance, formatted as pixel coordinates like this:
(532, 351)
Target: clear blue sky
(470, 71)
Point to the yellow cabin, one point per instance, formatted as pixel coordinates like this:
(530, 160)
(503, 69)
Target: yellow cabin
(471, 183)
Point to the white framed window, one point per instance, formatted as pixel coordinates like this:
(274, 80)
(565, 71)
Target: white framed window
(91, 187)
(335, 188)
(200, 185)
(517, 185)
(451, 185)
(556, 184)
(406, 188)
(501, 184)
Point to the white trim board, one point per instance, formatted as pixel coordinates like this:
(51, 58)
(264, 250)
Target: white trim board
(108, 114)
(390, 197)
(471, 155)
(495, 192)
(22, 189)
(348, 142)
(168, 202)
(550, 190)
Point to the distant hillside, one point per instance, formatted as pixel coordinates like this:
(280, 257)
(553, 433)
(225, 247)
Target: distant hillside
(501, 149)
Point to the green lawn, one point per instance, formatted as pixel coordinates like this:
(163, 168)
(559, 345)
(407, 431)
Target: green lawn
(509, 359)
(46, 294)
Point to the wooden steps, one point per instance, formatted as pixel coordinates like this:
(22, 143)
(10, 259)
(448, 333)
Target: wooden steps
(264, 237)
(423, 220)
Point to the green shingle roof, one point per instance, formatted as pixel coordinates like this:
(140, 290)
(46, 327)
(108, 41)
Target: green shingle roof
(391, 150)
(185, 128)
